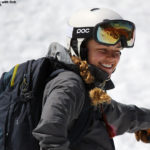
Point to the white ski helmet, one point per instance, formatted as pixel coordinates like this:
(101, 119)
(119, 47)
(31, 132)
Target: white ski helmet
(83, 20)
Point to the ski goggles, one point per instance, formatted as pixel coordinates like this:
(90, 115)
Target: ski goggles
(113, 31)
(109, 32)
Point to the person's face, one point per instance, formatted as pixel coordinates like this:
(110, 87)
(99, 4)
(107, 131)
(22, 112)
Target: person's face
(104, 57)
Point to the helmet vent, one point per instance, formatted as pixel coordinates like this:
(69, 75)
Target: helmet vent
(95, 9)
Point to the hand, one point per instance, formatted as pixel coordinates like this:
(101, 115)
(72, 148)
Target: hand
(143, 135)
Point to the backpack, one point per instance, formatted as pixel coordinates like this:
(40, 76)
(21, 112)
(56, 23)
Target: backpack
(21, 92)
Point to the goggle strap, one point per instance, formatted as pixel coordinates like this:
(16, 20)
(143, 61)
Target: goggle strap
(82, 32)
(74, 45)
(123, 41)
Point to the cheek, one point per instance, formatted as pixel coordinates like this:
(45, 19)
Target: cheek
(117, 61)
(93, 58)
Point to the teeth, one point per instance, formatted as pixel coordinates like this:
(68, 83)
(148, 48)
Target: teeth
(107, 65)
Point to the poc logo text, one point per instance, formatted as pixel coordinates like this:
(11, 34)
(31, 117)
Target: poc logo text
(83, 30)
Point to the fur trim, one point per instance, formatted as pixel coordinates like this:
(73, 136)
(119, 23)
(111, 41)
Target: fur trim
(97, 95)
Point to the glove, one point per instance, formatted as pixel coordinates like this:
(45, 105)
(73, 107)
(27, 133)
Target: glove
(143, 135)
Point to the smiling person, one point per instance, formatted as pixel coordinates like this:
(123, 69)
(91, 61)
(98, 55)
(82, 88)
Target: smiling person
(104, 57)
(77, 113)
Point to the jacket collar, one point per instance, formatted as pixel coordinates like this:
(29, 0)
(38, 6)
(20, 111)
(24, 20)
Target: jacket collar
(109, 85)
(102, 79)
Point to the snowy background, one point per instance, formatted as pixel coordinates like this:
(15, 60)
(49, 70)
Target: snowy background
(29, 26)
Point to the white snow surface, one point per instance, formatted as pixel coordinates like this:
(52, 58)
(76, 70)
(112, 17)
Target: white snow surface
(28, 27)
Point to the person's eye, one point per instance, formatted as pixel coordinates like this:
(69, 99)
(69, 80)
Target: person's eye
(102, 51)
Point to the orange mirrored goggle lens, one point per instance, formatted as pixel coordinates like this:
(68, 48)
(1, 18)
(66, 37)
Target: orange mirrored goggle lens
(113, 31)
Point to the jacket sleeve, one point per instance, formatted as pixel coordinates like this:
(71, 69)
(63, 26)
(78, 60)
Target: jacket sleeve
(126, 118)
(63, 101)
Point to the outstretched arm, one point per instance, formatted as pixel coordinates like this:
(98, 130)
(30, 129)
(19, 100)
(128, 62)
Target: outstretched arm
(126, 118)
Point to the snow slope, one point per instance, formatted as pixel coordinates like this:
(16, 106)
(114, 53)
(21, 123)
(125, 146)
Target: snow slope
(29, 26)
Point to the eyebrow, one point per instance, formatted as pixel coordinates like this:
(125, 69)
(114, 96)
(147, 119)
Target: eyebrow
(119, 46)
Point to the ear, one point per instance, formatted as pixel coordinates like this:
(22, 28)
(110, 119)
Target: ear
(84, 53)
